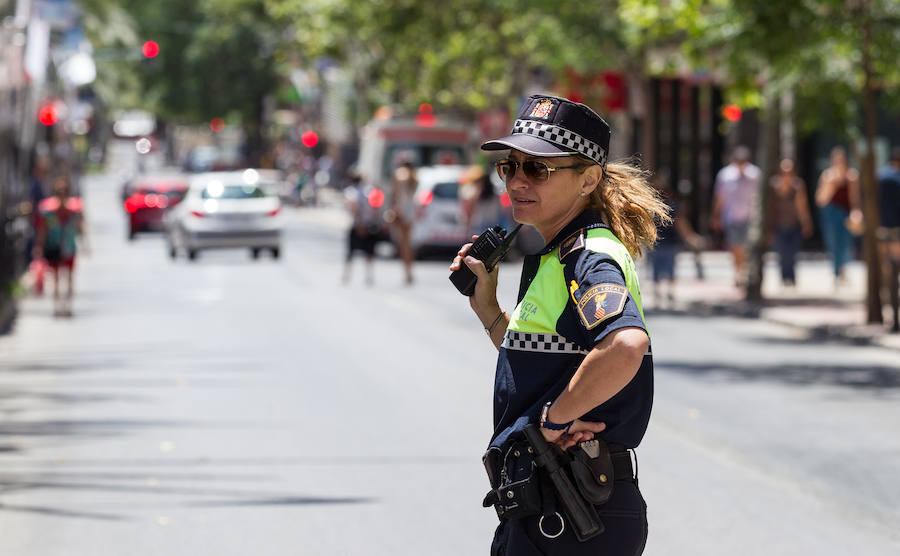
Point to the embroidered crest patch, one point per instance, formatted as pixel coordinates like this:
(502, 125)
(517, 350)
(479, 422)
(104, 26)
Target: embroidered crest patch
(572, 243)
(542, 109)
(600, 303)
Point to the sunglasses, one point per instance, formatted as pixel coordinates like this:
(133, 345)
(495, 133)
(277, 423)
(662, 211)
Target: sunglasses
(534, 170)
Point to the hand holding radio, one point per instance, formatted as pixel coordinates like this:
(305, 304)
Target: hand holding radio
(473, 268)
(484, 295)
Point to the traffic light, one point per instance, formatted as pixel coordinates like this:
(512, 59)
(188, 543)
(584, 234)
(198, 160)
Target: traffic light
(150, 49)
(732, 112)
(426, 117)
(48, 115)
(309, 139)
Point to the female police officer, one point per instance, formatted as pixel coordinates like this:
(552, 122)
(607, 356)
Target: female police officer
(574, 354)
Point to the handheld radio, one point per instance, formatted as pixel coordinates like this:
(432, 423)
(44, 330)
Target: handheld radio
(490, 248)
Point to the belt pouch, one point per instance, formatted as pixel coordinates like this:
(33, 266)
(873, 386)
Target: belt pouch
(592, 467)
(516, 493)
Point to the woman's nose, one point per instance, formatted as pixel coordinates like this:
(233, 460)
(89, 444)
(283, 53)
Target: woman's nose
(517, 181)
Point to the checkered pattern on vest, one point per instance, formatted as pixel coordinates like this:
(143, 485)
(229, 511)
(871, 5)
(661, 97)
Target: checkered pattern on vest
(547, 343)
(564, 137)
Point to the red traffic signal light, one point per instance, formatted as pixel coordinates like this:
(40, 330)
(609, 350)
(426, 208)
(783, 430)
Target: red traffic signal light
(150, 49)
(732, 112)
(48, 115)
(309, 139)
(426, 117)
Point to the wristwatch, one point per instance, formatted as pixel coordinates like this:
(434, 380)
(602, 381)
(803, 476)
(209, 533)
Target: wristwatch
(546, 423)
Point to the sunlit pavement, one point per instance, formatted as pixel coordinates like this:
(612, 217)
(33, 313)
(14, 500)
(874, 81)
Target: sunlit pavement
(230, 406)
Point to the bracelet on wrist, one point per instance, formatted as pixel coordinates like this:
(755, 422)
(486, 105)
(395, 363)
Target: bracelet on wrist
(546, 423)
(490, 328)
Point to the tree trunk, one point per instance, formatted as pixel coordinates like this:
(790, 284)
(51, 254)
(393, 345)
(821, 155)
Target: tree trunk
(869, 187)
(766, 154)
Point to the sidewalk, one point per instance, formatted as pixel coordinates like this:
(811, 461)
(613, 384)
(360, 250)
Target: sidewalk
(814, 304)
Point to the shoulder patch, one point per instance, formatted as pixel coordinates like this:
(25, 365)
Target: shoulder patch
(601, 302)
(574, 242)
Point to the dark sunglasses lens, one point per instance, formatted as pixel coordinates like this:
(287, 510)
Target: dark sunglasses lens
(506, 169)
(535, 170)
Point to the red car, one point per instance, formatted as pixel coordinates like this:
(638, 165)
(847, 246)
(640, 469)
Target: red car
(147, 200)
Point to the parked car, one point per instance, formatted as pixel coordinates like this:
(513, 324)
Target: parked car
(147, 198)
(439, 222)
(225, 210)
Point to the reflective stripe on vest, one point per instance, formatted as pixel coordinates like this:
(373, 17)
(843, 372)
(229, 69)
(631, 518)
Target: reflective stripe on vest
(546, 298)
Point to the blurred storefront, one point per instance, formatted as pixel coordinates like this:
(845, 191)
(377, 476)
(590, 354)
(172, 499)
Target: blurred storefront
(42, 64)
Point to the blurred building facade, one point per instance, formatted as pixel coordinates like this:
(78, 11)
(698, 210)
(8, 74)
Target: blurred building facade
(42, 65)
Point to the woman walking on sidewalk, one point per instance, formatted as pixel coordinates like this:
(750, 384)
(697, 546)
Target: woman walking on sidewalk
(574, 364)
(60, 224)
(837, 197)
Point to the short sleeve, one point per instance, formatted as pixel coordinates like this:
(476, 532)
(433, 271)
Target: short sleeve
(600, 298)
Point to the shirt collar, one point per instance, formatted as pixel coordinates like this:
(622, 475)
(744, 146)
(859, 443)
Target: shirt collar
(588, 219)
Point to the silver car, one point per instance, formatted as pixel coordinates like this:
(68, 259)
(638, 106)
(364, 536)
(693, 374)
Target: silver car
(439, 221)
(222, 210)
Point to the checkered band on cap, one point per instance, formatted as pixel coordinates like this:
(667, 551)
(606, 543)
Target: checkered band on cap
(547, 343)
(561, 136)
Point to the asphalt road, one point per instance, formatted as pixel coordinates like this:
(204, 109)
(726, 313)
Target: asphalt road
(229, 406)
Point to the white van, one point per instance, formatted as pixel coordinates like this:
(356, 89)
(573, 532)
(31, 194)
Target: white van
(385, 144)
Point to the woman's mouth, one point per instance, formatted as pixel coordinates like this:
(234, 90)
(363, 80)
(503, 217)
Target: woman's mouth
(519, 200)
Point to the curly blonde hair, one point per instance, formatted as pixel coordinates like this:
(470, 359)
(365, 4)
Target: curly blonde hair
(629, 204)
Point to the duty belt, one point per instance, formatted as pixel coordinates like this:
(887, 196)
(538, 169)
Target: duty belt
(520, 489)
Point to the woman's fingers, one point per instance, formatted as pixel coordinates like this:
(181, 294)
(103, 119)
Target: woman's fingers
(476, 266)
(588, 426)
(457, 261)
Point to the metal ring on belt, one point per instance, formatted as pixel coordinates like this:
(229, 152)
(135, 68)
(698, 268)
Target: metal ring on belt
(562, 526)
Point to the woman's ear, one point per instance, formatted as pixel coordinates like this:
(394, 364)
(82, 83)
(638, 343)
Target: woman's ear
(592, 177)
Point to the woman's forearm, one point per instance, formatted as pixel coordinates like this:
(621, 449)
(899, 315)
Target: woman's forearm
(606, 370)
(494, 322)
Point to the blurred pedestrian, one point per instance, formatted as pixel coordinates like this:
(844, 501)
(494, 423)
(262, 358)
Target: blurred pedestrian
(37, 191)
(61, 225)
(735, 192)
(837, 197)
(403, 190)
(480, 204)
(574, 377)
(470, 185)
(889, 232)
(364, 228)
(789, 218)
(671, 235)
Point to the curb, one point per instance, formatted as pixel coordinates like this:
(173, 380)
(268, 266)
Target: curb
(852, 334)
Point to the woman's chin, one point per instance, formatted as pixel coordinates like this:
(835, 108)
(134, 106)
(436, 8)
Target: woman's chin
(522, 214)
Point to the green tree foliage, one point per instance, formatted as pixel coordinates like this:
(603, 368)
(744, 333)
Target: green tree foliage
(464, 55)
(217, 58)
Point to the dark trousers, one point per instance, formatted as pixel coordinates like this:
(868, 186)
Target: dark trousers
(624, 516)
(787, 244)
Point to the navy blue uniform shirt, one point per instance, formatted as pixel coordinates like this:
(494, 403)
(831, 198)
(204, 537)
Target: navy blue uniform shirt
(527, 379)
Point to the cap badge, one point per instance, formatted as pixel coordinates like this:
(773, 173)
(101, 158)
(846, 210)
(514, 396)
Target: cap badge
(542, 109)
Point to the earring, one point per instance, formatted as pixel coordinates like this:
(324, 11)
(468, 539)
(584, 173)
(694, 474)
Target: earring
(583, 194)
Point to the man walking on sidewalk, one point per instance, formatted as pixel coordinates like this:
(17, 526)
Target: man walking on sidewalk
(735, 191)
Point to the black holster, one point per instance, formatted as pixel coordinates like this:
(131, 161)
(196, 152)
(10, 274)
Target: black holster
(515, 484)
(577, 508)
(532, 477)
